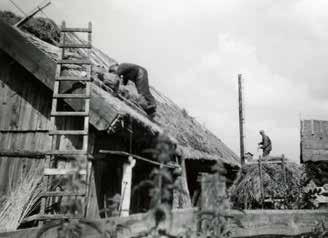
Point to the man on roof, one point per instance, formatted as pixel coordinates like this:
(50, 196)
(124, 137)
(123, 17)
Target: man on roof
(265, 144)
(138, 75)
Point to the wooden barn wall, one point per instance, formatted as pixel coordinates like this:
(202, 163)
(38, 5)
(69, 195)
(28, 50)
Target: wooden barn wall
(314, 140)
(25, 104)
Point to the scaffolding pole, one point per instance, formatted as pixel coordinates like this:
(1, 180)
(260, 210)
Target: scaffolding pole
(241, 120)
(29, 16)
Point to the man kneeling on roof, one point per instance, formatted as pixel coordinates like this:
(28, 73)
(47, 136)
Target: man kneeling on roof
(265, 144)
(139, 76)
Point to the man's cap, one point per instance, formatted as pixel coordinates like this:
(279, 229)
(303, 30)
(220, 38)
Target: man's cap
(261, 131)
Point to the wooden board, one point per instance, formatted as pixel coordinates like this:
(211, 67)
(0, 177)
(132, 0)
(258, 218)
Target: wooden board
(255, 222)
(23, 123)
(22, 153)
(314, 140)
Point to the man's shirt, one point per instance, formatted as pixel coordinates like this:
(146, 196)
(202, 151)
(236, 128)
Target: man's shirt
(266, 142)
(128, 71)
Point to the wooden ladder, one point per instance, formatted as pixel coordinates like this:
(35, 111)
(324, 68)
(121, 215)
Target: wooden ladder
(75, 160)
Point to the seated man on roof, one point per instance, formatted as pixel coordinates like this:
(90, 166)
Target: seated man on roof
(139, 76)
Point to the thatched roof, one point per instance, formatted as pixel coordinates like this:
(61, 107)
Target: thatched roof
(195, 141)
(314, 140)
(246, 188)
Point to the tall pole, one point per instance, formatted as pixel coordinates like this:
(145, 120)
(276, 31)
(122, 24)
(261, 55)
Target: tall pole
(241, 121)
(29, 16)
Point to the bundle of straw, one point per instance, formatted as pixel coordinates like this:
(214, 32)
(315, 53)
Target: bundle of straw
(246, 191)
(21, 200)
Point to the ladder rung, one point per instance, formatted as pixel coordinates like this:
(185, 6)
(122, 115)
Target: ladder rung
(88, 46)
(67, 152)
(71, 29)
(69, 155)
(49, 217)
(51, 171)
(66, 95)
(69, 113)
(68, 132)
(61, 194)
(71, 61)
(72, 78)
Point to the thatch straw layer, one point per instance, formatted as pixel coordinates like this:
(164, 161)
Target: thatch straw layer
(246, 191)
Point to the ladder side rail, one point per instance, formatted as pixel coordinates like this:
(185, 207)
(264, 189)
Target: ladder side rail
(86, 125)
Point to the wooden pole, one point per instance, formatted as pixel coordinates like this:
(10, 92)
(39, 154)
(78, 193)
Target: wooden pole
(283, 168)
(241, 121)
(126, 187)
(261, 182)
(26, 18)
(284, 176)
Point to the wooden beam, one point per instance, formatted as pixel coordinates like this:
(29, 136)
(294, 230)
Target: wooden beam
(87, 46)
(23, 131)
(126, 154)
(60, 155)
(69, 29)
(51, 171)
(23, 154)
(61, 194)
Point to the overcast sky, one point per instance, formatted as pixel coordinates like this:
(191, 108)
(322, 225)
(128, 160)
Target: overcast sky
(194, 50)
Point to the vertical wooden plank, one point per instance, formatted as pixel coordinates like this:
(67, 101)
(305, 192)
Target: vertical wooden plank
(283, 167)
(92, 211)
(4, 91)
(89, 38)
(86, 137)
(32, 102)
(55, 100)
(185, 196)
(4, 77)
(10, 175)
(22, 96)
(126, 187)
(261, 181)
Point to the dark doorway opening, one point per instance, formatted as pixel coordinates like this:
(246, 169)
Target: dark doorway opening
(194, 168)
